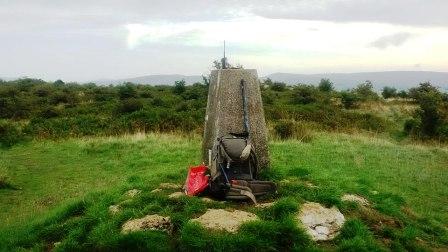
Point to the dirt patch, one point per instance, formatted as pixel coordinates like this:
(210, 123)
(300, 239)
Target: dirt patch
(321, 223)
(355, 198)
(149, 222)
(220, 219)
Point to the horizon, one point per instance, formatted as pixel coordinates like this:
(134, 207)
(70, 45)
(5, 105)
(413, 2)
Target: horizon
(86, 41)
(9, 78)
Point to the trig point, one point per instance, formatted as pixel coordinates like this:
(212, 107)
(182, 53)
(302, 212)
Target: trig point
(225, 113)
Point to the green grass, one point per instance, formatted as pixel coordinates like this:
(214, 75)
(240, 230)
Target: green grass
(61, 191)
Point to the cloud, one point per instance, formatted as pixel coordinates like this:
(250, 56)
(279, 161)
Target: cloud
(103, 12)
(396, 39)
(399, 12)
(87, 39)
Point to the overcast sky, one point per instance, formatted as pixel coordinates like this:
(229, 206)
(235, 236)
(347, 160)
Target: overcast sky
(86, 40)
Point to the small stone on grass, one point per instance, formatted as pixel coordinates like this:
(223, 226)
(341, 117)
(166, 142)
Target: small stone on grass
(149, 222)
(321, 223)
(220, 219)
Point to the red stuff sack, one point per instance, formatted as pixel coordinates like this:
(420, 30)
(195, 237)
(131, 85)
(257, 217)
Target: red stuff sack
(197, 181)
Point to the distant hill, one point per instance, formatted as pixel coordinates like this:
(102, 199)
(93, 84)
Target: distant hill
(160, 79)
(397, 79)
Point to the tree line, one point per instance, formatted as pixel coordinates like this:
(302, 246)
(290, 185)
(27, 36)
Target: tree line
(35, 109)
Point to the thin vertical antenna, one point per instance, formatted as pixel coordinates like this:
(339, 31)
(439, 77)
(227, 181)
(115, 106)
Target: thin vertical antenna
(224, 59)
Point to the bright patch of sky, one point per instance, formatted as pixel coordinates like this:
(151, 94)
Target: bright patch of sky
(314, 45)
(87, 40)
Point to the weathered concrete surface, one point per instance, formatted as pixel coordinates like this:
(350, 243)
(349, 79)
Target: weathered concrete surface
(225, 111)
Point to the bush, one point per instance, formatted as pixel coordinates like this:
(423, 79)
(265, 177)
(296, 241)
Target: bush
(179, 87)
(402, 94)
(304, 94)
(9, 134)
(349, 99)
(127, 91)
(130, 105)
(430, 120)
(411, 126)
(49, 112)
(389, 92)
(365, 91)
(285, 129)
(278, 86)
(325, 85)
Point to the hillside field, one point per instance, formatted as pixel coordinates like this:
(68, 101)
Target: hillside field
(60, 191)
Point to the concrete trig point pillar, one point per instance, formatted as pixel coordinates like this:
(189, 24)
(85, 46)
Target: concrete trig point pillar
(224, 113)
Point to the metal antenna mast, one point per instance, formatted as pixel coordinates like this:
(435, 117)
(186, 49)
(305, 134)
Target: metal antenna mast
(224, 49)
(224, 60)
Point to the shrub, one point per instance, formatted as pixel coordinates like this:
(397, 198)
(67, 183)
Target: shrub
(59, 97)
(179, 87)
(365, 91)
(127, 91)
(389, 92)
(402, 94)
(349, 99)
(10, 134)
(285, 129)
(430, 119)
(130, 105)
(305, 94)
(278, 86)
(325, 85)
(49, 112)
(411, 126)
